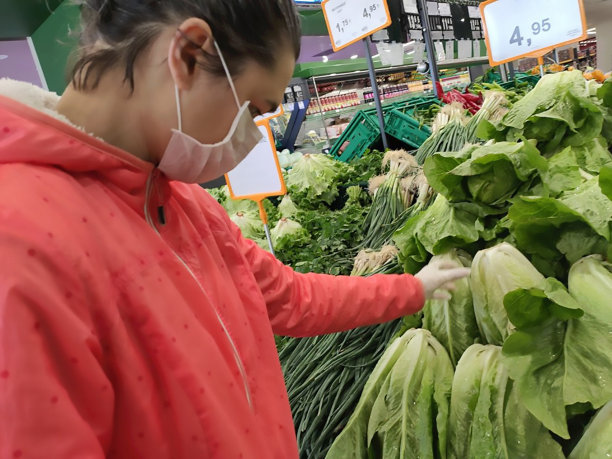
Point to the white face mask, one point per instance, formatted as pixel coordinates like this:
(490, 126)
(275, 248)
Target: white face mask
(190, 161)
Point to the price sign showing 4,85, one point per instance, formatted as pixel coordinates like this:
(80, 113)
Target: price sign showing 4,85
(349, 21)
(520, 28)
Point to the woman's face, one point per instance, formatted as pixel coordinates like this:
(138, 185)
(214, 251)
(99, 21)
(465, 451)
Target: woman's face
(208, 106)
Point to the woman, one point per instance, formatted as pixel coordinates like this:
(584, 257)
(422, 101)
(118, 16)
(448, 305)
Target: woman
(135, 321)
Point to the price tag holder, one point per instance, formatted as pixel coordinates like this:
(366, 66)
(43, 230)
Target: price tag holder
(280, 111)
(528, 28)
(349, 21)
(259, 175)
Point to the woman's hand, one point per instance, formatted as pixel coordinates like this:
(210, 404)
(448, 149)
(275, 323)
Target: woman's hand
(437, 279)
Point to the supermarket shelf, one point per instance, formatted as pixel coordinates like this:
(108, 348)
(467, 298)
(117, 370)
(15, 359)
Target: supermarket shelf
(448, 64)
(363, 106)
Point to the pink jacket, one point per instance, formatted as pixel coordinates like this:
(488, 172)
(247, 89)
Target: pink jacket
(127, 338)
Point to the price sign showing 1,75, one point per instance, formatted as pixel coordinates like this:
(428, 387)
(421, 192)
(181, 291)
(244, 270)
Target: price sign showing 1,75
(527, 28)
(348, 21)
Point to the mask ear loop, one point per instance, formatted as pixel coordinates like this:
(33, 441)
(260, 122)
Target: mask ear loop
(178, 108)
(227, 73)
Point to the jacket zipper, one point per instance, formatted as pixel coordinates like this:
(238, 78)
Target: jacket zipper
(239, 362)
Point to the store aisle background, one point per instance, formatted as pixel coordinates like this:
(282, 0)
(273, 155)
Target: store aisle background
(53, 28)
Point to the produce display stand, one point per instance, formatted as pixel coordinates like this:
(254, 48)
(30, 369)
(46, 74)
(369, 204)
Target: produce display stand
(363, 131)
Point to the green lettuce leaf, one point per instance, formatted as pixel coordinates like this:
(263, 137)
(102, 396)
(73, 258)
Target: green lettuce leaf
(592, 156)
(487, 419)
(605, 181)
(559, 354)
(563, 172)
(410, 415)
(596, 441)
(440, 228)
(352, 441)
(559, 111)
(474, 173)
(313, 179)
(588, 353)
(452, 322)
(572, 226)
(495, 272)
(534, 353)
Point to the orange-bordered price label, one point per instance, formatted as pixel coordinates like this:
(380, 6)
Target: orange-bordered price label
(527, 28)
(349, 21)
(280, 111)
(259, 175)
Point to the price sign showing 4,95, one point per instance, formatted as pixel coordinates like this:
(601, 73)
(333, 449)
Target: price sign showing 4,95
(521, 28)
(349, 21)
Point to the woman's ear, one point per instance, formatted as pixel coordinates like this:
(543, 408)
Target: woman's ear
(192, 38)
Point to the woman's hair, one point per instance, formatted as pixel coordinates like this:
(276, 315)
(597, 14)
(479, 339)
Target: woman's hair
(116, 32)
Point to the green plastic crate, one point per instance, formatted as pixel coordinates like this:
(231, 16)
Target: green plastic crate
(405, 128)
(361, 134)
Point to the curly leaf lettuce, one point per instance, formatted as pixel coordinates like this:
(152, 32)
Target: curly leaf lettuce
(313, 179)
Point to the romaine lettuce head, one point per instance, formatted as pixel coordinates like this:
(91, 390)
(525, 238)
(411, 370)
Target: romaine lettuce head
(409, 417)
(495, 272)
(559, 355)
(596, 441)
(452, 321)
(590, 282)
(487, 419)
(403, 410)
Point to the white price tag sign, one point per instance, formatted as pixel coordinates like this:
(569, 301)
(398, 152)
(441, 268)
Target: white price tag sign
(348, 21)
(259, 174)
(520, 28)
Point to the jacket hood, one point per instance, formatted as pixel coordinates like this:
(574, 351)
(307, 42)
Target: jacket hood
(31, 131)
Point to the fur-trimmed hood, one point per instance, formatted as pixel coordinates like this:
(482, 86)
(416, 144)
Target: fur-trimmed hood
(32, 131)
